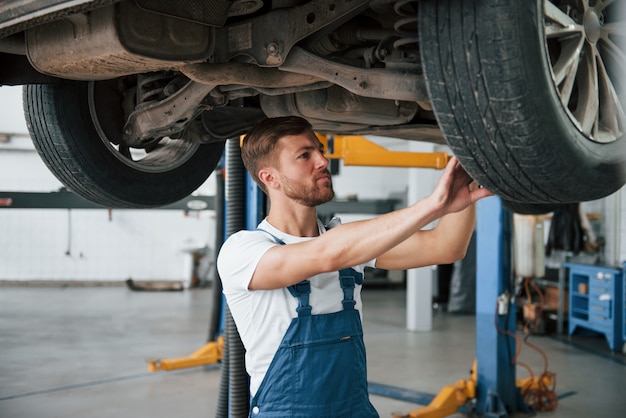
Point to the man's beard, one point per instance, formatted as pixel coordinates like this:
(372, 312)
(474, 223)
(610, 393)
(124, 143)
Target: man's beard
(308, 194)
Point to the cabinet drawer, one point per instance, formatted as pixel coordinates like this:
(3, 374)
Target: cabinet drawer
(601, 288)
(601, 310)
(603, 276)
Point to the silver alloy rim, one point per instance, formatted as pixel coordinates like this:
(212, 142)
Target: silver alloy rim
(586, 49)
(170, 153)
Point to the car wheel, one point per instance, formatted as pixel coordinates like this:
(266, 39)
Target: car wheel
(530, 208)
(529, 94)
(76, 128)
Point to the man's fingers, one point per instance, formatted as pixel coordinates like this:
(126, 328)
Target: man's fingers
(480, 193)
(473, 185)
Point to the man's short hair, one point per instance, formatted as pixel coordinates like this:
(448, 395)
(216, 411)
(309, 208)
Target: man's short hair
(259, 145)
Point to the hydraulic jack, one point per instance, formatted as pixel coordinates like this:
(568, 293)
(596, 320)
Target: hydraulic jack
(209, 353)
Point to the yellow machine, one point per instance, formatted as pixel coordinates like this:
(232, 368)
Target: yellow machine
(209, 353)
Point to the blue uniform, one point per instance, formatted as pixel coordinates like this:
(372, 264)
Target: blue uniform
(319, 369)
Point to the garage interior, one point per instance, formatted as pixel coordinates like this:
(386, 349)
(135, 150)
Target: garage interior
(76, 344)
(80, 352)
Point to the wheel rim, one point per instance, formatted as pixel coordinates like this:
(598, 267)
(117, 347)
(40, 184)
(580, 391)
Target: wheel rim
(165, 155)
(585, 42)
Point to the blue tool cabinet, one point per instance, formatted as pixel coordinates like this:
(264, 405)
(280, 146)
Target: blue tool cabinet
(597, 301)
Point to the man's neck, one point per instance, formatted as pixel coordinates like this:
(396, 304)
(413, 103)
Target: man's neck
(299, 221)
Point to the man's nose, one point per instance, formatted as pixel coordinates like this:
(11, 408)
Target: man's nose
(321, 162)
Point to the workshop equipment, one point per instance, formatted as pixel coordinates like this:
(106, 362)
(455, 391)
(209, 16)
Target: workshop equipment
(209, 353)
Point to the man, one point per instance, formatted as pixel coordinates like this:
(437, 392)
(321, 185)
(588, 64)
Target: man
(293, 286)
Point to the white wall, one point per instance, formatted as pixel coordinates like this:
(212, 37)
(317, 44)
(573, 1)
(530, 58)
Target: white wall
(622, 218)
(11, 114)
(90, 245)
(615, 227)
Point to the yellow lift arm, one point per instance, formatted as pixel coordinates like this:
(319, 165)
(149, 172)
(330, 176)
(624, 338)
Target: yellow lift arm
(451, 397)
(358, 150)
(209, 353)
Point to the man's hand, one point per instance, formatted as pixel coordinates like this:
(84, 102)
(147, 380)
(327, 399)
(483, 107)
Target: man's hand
(456, 190)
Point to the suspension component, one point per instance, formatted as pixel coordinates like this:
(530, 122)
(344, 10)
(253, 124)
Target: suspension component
(406, 26)
(160, 118)
(153, 86)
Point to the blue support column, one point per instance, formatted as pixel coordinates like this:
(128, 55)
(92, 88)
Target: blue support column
(255, 203)
(497, 394)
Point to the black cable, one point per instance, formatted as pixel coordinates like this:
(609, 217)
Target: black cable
(235, 372)
(216, 311)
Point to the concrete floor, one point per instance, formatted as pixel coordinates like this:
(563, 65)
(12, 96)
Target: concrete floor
(80, 352)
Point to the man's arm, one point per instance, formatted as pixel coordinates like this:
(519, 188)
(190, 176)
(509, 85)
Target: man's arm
(444, 244)
(358, 242)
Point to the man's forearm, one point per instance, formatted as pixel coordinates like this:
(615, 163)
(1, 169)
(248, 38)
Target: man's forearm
(454, 232)
(361, 241)
(444, 244)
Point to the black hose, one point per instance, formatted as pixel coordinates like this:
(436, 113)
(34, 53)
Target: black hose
(216, 311)
(222, 399)
(238, 377)
(238, 387)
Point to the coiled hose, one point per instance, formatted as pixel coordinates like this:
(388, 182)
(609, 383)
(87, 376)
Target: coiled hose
(233, 400)
(216, 312)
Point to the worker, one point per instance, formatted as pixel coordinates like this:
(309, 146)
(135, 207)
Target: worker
(293, 285)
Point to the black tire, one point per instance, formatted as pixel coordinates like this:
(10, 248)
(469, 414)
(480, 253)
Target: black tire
(489, 67)
(75, 135)
(530, 208)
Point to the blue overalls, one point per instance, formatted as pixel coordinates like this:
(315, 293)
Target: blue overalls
(319, 369)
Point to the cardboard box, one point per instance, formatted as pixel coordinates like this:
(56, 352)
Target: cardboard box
(551, 298)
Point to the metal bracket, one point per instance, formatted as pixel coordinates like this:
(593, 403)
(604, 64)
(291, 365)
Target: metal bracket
(392, 84)
(267, 39)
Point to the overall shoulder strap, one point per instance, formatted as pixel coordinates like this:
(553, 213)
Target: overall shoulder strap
(300, 290)
(274, 237)
(348, 279)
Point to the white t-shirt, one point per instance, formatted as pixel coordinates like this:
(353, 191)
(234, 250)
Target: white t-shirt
(263, 316)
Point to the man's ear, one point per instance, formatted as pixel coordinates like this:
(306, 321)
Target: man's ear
(267, 177)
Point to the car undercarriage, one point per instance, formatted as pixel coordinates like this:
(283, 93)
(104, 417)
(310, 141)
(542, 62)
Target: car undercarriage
(129, 102)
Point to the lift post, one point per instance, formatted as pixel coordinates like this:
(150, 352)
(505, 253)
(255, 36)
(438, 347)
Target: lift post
(497, 391)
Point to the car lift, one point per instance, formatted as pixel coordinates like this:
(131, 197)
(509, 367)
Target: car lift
(492, 389)
(209, 353)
